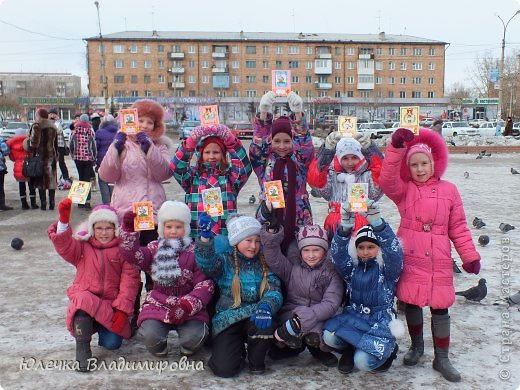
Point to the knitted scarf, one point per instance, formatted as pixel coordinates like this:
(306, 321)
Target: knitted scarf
(288, 221)
(165, 267)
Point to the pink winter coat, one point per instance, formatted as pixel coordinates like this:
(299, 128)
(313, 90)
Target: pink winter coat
(432, 215)
(137, 177)
(103, 282)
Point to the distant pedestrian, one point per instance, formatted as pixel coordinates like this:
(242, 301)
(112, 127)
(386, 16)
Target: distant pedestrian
(83, 151)
(104, 138)
(63, 148)
(4, 151)
(437, 126)
(96, 121)
(508, 131)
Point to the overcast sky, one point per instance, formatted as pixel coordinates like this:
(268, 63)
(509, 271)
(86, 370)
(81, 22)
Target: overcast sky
(47, 36)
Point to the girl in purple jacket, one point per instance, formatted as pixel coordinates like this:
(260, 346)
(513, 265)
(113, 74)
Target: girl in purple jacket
(180, 290)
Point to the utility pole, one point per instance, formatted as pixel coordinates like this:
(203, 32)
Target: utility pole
(103, 61)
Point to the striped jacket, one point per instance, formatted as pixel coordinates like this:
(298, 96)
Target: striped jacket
(194, 182)
(83, 142)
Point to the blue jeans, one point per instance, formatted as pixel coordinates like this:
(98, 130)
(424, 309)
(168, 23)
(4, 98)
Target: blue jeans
(108, 339)
(106, 191)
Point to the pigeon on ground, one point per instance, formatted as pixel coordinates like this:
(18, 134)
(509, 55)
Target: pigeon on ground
(479, 157)
(514, 171)
(466, 175)
(456, 268)
(514, 299)
(453, 142)
(252, 199)
(17, 243)
(483, 240)
(475, 294)
(487, 155)
(481, 154)
(478, 223)
(505, 227)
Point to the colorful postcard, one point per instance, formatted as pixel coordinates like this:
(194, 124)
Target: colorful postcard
(281, 82)
(274, 193)
(143, 216)
(209, 115)
(358, 196)
(409, 118)
(79, 191)
(212, 201)
(129, 120)
(347, 125)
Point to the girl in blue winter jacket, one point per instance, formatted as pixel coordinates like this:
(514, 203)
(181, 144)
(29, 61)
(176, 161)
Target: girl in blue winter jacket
(370, 264)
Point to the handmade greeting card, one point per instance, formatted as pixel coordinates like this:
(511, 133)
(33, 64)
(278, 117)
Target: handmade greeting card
(209, 115)
(274, 193)
(358, 196)
(129, 120)
(79, 191)
(281, 82)
(347, 125)
(143, 216)
(409, 118)
(212, 201)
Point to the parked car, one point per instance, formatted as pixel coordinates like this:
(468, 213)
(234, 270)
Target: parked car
(243, 130)
(454, 128)
(476, 122)
(516, 129)
(373, 129)
(487, 129)
(426, 122)
(10, 129)
(187, 127)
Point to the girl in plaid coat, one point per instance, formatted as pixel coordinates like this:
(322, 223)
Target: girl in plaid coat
(221, 162)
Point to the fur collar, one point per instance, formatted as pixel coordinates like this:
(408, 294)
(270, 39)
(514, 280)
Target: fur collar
(353, 254)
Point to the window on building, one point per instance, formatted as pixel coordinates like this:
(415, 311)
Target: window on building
(192, 79)
(295, 79)
(61, 89)
(147, 64)
(192, 49)
(417, 66)
(148, 93)
(379, 65)
(205, 49)
(416, 80)
(308, 94)
(278, 64)
(308, 64)
(161, 79)
(160, 64)
(133, 64)
(402, 94)
(191, 64)
(204, 64)
(251, 93)
(337, 65)
(250, 64)
(265, 79)
(364, 94)
(236, 79)
(323, 79)
(337, 94)
(309, 50)
(251, 49)
(322, 94)
(365, 50)
(416, 94)
(235, 64)
(265, 49)
(430, 94)
(134, 93)
(119, 64)
(250, 79)
(293, 64)
(390, 94)
(234, 93)
(133, 79)
(133, 49)
(337, 50)
(235, 49)
(363, 79)
(308, 79)
(417, 51)
(350, 65)
(351, 51)
(160, 48)
(350, 80)
(391, 51)
(176, 49)
(391, 65)
(431, 81)
(379, 80)
(119, 49)
(147, 79)
(265, 64)
(147, 49)
(403, 66)
(119, 79)
(403, 80)
(337, 79)
(294, 50)
(391, 80)
(431, 51)
(431, 66)
(350, 94)
(192, 93)
(101, 48)
(205, 79)
(119, 93)
(279, 50)
(404, 51)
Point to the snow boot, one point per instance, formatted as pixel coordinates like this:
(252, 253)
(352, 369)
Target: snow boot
(328, 359)
(346, 361)
(441, 344)
(52, 194)
(414, 320)
(34, 205)
(83, 330)
(388, 362)
(25, 205)
(43, 199)
(157, 347)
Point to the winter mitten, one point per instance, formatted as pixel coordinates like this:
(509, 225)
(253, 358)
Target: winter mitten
(332, 140)
(262, 317)
(266, 102)
(190, 143)
(128, 221)
(363, 140)
(119, 141)
(401, 136)
(179, 313)
(347, 217)
(64, 209)
(206, 223)
(472, 268)
(289, 330)
(119, 319)
(144, 140)
(373, 214)
(295, 102)
(271, 222)
(196, 135)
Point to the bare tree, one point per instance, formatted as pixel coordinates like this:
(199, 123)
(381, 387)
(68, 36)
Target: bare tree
(10, 108)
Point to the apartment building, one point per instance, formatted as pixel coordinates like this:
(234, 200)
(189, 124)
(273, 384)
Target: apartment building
(351, 74)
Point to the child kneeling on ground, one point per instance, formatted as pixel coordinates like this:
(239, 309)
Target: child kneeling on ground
(370, 264)
(180, 290)
(314, 290)
(249, 294)
(104, 288)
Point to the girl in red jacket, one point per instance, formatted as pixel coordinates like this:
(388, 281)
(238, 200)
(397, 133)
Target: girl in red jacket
(432, 217)
(104, 289)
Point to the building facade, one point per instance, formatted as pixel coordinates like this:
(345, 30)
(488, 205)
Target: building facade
(369, 76)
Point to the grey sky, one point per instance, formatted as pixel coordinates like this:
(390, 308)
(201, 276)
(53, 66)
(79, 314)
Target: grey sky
(54, 43)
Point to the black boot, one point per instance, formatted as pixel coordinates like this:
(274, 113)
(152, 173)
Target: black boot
(34, 205)
(276, 353)
(4, 207)
(388, 362)
(346, 361)
(441, 345)
(328, 359)
(43, 199)
(52, 194)
(83, 329)
(414, 319)
(157, 347)
(25, 205)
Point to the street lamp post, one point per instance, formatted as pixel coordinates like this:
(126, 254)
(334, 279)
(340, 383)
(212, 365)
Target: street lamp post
(501, 75)
(103, 61)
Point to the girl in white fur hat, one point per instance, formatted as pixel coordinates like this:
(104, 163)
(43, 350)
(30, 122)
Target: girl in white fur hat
(180, 290)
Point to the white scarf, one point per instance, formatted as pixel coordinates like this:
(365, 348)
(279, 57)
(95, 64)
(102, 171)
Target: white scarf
(165, 267)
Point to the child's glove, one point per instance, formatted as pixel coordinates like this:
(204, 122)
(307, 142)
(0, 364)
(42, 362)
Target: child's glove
(401, 136)
(262, 317)
(472, 268)
(373, 214)
(196, 134)
(128, 221)
(179, 313)
(206, 223)
(226, 136)
(347, 216)
(271, 222)
(363, 140)
(332, 140)
(119, 141)
(288, 333)
(144, 140)
(295, 102)
(266, 102)
(119, 319)
(64, 209)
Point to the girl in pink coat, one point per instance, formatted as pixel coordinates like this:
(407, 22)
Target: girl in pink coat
(432, 217)
(105, 286)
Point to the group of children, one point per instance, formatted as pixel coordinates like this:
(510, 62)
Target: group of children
(277, 287)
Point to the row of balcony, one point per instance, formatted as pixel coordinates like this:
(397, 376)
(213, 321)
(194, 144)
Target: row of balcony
(321, 86)
(224, 55)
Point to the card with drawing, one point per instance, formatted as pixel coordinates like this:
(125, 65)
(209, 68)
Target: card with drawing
(212, 201)
(143, 216)
(209, 115)
(129, 120)
(358, 196)
(78, 192)
(409, 118)
(281, 82)
(274, 193)
(347, 125)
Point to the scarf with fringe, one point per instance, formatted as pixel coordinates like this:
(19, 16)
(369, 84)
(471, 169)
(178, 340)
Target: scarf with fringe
(165, 267)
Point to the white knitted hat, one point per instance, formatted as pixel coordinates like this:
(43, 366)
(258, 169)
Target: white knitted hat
(173, 210)
(348, 146)
(240, 227)
(102, 213)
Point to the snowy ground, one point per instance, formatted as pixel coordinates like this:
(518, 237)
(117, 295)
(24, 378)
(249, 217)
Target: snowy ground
(485, 337)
